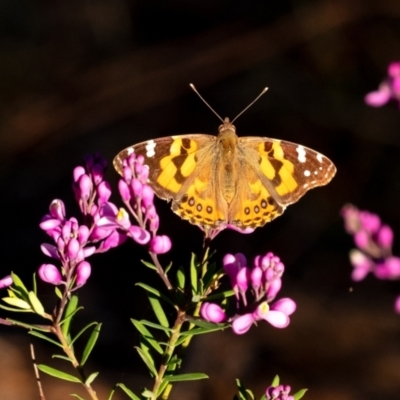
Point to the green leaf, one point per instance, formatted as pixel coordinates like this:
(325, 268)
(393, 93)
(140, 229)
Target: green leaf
(90, 343)
(186, 377)
(17, 284)
(201, 331)
(61, 357)
(206, 325)
(58, 293)
(180, 278)
(44, 337)
(242, 393)
(91, 378)
(127, 391)
(209, 275)
(250, 393)
(193, 275)
(158, 310)
(149, 265)
(147, 335)
(16, 302)
(275, 381)
(82, 331)
(36, 304)
(58, 374)
(221, 295)
(147, 393)
(14, 309)
(168, 267)
(162, 387)
(70, 311)
(156, 292)
(300, 394)
(77, 396)
(147, 360)
(34, 283)
(156, 326)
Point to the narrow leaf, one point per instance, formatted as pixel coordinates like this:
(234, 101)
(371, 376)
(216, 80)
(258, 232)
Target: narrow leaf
(250, 393)
(68, 314)
(91, 378)
(193, 275)
(58, 374)
(186, 377)
(242, 394)
(147, 335)
(16, 302)
(84, 329)
(149, 265)
(90, 344)
(77, 396)
(221, 295)
(156, 292)
(158, 310)
(162, 387)
(17, 284)
(180, 278)
(147, 394)
(156, 326)
(36, 304)
(147, 360)
(275, 381)
(300, 394)
(44, 337)
(127, 391)
(61, 357)
(14, 309)
(58, 293)
(34, 283)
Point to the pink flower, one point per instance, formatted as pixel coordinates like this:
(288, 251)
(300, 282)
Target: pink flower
(6, 281)
(160, 244)
(388, 89)
(212, 312)
(50, 274)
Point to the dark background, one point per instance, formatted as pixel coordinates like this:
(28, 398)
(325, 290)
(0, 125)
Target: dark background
(84, 76)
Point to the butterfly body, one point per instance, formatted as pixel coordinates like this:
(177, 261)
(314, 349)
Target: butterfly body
(215, 181)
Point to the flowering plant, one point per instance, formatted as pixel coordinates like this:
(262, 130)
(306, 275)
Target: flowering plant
(195, 295)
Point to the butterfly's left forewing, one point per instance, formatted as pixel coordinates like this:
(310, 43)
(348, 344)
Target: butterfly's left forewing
(288, 169)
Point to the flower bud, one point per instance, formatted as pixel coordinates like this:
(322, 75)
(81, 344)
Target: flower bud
(50, 274)
(6, 282)
(160, 244)
(212, 312)
(83, 271)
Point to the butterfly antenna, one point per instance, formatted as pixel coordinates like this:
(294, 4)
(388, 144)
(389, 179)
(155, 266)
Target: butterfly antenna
(237, 116)
(201, 97)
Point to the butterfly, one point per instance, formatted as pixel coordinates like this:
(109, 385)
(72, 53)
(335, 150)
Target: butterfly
(226, 180)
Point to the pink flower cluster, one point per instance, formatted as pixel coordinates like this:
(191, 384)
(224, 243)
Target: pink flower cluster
(104, 227)
(138, 198)
(255, 288)
(280, 392)
(388, 89)
(374, 246)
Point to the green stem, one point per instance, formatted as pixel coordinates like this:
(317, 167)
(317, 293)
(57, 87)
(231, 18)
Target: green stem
(169, 351)
(71, 355)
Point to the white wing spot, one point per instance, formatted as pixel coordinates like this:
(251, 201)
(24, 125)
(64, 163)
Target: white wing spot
(307, 172)
(130, 150)
(150, 146)
(319, 157)
(320, 168)
(315, 172)
(301, 153)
